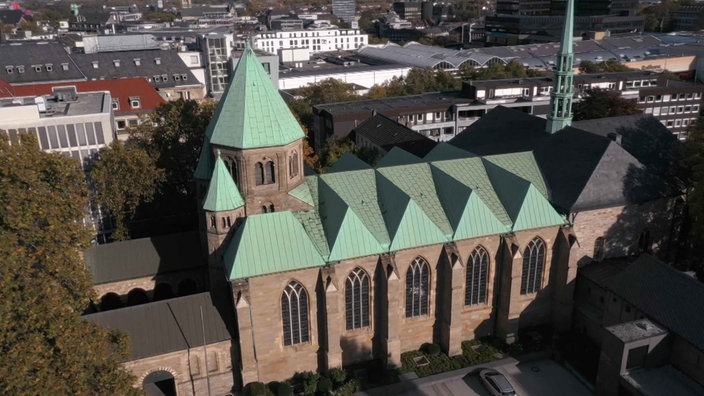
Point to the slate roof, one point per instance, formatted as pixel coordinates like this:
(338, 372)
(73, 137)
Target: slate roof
(387, 134)
(222, 192)
(138, 258)
(27, 55)
(144, 63)
(168, 326)
(664, 294)
(582, 170)
(360, 211)
(121, 90)
(251, 112)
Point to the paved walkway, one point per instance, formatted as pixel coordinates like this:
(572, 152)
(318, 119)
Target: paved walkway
(536, 378)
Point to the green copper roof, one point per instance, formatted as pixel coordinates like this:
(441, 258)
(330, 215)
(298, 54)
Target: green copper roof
(269, 243)
(522, 164)
(349, 162)
(205, 163)
(407, 224)
(536, 212)
(366, 211)
(251, 112)
(471, 172)
(358, 191)
(567, 32)
(469, 215)
(310, 220)
(397, 156)
(525, 205)
(416, 181)
(347, 235)
(444, 151)
(222, 191)
(302, 193)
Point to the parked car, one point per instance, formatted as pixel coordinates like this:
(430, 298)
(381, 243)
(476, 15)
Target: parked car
(496, 383)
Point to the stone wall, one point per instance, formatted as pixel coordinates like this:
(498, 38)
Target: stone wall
(188, 369)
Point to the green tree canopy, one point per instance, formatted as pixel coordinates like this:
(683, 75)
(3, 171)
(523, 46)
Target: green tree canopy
(601, 103)
(45, 346)
(124, 177)
(173, 135)
(611, 65)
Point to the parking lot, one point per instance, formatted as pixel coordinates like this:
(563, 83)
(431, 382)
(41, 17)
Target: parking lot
(540, 377)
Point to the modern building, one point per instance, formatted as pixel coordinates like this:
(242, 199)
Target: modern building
(441, 116)
(75, 124)
(309, 41)
(689, 18)
(408, 10)
(131, 98)
(345, 9)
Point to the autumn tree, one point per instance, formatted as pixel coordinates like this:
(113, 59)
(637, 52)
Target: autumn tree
(124, 177)
(173, 135)
(45, 346)
(602, 103)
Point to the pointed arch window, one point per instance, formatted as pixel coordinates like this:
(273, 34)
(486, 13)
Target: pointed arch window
(357, 299)
(476, 282)
(294, 311)
(533, 265)
(417, 288)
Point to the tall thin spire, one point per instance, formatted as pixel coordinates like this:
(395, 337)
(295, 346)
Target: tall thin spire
(561, 97)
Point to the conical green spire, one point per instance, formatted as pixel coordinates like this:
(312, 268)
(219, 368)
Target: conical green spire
(561, 97)
(251, 112)
(222, 191)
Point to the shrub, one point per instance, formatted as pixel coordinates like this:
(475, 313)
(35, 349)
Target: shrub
(348, 389)
(431, 349)
(306, 382)
(324, 385)
(256, 389)
(338, 375)
(284, 389)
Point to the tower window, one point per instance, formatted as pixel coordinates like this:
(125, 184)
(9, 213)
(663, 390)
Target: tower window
(293, 165)
(264, 172)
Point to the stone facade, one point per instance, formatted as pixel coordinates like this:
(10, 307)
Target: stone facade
(390, 332)
(188, 369)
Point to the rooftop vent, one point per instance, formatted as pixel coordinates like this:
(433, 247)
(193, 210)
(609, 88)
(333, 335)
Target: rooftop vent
(644, 325)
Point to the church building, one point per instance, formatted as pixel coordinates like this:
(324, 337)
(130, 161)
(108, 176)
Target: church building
(482, 236)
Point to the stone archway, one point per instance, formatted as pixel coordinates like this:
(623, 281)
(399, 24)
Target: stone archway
(159, 383)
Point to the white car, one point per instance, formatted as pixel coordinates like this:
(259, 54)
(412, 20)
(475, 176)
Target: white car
(496, 383)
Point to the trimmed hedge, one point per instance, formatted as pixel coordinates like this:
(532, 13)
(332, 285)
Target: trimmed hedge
(439, 363)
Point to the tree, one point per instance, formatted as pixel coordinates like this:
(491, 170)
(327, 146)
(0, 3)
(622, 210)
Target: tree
(45, 346)
(611, 65)
(601, 103)
(174, 134)
(124, 177)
